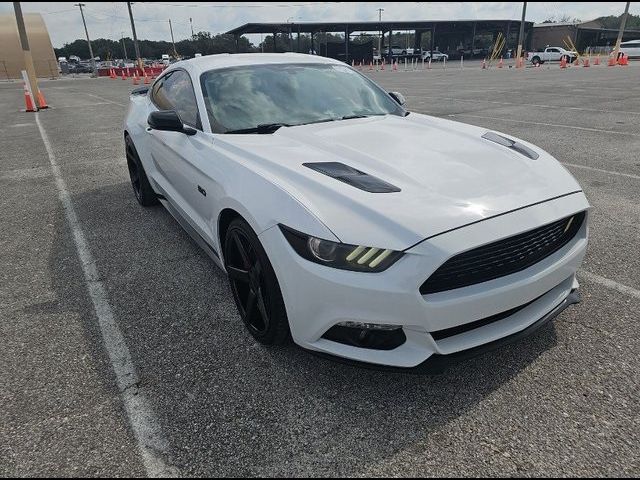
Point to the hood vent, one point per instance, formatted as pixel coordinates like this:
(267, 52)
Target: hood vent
(353, 177)
(512, 144)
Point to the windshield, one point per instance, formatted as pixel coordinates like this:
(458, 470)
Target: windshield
(242, 98)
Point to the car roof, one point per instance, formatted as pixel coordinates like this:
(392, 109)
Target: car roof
(199, 65)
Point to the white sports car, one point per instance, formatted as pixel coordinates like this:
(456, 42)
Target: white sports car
(346, 223)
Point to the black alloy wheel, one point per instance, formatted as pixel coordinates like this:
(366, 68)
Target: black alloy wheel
(254, 285)
(139, 181)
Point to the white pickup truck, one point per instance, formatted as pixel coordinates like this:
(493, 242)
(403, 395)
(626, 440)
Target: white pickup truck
(551, 54)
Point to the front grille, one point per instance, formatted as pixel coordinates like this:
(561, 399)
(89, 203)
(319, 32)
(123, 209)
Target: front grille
(503, 257)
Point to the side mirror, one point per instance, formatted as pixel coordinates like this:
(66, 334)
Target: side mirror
(168, 121)
(398, 97)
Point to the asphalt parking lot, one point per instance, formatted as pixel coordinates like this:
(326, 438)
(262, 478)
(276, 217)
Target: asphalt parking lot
(565, 401)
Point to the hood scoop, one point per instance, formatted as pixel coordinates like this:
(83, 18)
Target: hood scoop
(353, 177)
(512, 144)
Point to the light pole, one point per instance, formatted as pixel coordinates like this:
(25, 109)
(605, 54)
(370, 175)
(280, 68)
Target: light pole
(124, 48)
(175, 52)
(521, 36)
(380, 10)
(135, 37)
(623, 23)
(93, 59)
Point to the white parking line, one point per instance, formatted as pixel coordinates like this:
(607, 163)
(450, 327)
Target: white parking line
(610, 172)
(105, 99)
(605, 282)
(143, 422)
(556, 125)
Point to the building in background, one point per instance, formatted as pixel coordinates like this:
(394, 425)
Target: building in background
(583, 34)
(11, 55)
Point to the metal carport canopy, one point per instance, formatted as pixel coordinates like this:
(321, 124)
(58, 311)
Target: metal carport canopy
(312, 27)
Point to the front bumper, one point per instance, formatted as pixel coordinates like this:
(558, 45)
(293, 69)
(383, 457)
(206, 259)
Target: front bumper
(318, 297)
(437, 363)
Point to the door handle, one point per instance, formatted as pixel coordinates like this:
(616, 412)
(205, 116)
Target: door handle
(202, 190)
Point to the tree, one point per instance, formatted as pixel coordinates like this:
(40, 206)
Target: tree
(564, 18)
(202, 42)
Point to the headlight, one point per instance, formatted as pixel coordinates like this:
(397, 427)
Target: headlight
(358, 258)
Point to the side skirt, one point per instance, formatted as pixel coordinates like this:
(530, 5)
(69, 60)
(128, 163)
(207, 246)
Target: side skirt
(193, 233)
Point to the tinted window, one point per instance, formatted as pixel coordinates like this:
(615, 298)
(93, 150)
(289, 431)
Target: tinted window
(175, 92)
(294, 94)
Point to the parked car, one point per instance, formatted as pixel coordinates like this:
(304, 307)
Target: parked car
(396, 51)
(436, 57)
(551, 54)
(333, 240)
(79, 68)
(631, 48)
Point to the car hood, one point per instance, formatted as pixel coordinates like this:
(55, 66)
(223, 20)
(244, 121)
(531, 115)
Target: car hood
(448, 175)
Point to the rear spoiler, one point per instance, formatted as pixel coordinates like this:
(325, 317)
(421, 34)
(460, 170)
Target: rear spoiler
(140, 91)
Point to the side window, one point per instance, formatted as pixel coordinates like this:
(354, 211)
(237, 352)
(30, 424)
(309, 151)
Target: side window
(553, 50)
(158, 94)
(175, 92)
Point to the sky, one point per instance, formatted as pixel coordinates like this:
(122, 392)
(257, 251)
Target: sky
(110, 19)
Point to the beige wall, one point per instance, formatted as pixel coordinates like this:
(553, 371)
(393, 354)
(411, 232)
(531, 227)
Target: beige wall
(11, 56)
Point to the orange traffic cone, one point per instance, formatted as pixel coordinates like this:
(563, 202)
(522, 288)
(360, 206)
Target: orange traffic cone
(123, 77)
(146, 79)
(136, 81)
(112, 73)
(597, 60)
(395, 66)
(612, 62)
(28, 101)
(500, 63)
(624, 60)
(484, 64)
(42, 103)
(563, 62)
(585, 62)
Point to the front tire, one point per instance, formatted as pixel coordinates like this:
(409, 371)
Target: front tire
(254, 285)
(139, 181)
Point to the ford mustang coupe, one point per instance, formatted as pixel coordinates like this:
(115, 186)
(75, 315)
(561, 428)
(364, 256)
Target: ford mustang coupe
(348, 224)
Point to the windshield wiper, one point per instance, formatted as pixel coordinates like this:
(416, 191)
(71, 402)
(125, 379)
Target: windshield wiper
(349, 117)
(346, 117)
(262, 128)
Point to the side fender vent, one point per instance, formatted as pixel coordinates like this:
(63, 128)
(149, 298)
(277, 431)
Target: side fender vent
(512, 144)
(353, 177)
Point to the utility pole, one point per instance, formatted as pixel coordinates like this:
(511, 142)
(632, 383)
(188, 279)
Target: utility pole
(124, 48)
(191, 23)
(623, 23)
(521, 36)
(135, 37)
(175, 52)
(93, 59)
(28, 59)
(380, 10)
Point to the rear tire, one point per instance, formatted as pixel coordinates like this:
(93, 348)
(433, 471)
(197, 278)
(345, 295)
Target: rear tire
(254, 285)
(139, 181)
(536, 60)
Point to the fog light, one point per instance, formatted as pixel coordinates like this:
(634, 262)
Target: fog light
(369, 326)
(367, 335)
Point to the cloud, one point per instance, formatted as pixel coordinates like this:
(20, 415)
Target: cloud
(110, 19)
